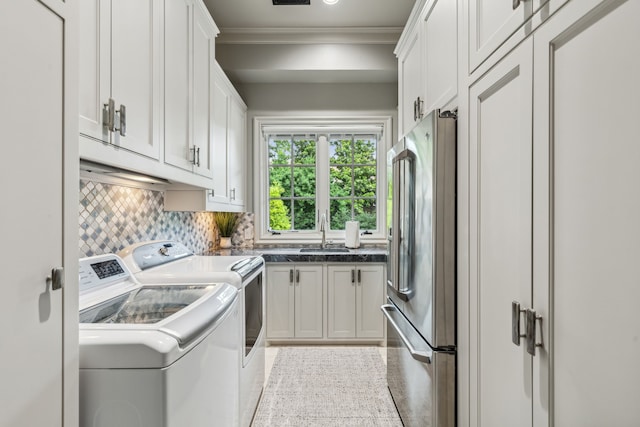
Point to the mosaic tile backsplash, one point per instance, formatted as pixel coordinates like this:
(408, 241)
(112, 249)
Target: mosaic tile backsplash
(113, 217)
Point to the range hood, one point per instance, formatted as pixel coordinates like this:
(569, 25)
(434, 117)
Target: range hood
(114, 172)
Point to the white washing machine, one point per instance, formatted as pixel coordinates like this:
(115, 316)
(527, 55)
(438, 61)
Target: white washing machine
(171, 262)
(156, 355)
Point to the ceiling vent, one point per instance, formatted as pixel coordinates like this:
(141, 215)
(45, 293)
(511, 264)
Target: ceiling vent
(287, 2)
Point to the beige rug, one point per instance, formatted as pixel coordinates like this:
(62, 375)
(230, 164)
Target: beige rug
(327, 386)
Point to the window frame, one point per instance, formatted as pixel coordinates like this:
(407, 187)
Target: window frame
(323, 127)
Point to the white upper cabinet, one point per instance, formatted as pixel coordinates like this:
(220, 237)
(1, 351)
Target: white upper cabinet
(188, 59)
(221, 97)
(237, 151)
(427, 62)
(120, 60)
(493, 22)
(178, 29)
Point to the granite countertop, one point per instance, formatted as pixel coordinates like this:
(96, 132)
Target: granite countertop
(293, 254)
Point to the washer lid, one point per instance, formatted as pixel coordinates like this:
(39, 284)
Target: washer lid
(153, 326)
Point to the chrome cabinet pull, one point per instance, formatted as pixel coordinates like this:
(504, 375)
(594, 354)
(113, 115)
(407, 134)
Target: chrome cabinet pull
(420, 107)
(515, 323)
(359, 276)
(108, 115)
(531, 319)
(56, 278)
(290, 276)
(297, 276)
(123, 120)
(353, 276)
(198, 156)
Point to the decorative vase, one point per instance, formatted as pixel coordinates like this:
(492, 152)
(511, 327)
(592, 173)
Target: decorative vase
(225, 242)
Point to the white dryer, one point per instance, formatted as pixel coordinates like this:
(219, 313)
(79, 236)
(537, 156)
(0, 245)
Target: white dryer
(156, 355)
(171, 262)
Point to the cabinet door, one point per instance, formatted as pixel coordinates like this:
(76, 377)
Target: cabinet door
(491, 22)
(370, 289)
(135, 72)
(280, 301)
(220, 124)
(37, 77)
(410, 81)
(204, 34)
(94, 77)
(237, 154)
(441, 54)
(178, 24)
(500, 126)
(587, 62)
(308, 301)
(341, 301)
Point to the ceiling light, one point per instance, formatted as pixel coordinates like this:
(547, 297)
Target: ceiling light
(331, 1)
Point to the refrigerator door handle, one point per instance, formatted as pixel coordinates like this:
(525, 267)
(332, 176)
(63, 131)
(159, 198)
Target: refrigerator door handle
(420, 356)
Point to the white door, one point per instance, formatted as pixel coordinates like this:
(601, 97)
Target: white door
(135, 72)
(35, 92)
(237, 151)
(586, 126)
(280, 301)
(204, 35)
(341, 301)
(370, 289)
(500, 239)
(410, 80)
(491, 22)
(308, 301)
(178, 22)
(219, 150)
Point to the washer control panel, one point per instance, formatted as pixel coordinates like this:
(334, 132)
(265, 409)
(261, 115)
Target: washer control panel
(101, 270)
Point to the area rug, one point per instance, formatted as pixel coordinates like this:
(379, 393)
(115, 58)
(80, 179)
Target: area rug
(327, 386)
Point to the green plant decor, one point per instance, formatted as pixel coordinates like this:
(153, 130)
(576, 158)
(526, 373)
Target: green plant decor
(226, 222)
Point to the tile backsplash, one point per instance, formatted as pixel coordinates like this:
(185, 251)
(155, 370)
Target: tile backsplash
(113, 217)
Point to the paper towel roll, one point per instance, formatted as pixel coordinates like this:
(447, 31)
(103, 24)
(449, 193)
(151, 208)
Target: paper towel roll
(352, 234)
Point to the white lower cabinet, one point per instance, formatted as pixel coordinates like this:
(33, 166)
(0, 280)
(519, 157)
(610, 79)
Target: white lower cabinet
(294, 300)
(354, 296)
(553, 225)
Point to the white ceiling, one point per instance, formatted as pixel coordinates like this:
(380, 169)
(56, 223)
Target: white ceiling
(263, 43)
(346, 13)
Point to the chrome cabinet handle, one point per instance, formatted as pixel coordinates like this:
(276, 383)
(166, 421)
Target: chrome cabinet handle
(353, 276)
(515, 323)
(108, 115)
(359, 276)
(297, 276)
(291, 276)
(530, 331)
(420, 107)
(123, 120)
(56, 278)
(198, 156)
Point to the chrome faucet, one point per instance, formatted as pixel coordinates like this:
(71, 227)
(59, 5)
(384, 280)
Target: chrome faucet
(323, 226)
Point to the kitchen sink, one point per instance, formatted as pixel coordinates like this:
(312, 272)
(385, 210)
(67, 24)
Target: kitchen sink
(324, 250)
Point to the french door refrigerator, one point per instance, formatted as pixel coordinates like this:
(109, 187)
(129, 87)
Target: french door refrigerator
(421, 283)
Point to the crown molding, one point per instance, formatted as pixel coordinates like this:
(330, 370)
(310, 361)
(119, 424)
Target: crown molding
(333, 35)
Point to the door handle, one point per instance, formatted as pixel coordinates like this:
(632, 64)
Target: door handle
(359, 276)
(531, 319)
(420, 356)
(290, 276)
(56, 278)
(297, 276)
(108, 115)
(353, 277)
(516, 3)
(515, 323)
(123, 120)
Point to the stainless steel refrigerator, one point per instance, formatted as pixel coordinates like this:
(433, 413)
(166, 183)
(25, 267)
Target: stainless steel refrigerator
(421, 282)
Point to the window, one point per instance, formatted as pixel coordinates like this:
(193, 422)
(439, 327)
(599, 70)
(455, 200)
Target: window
(323, 167)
